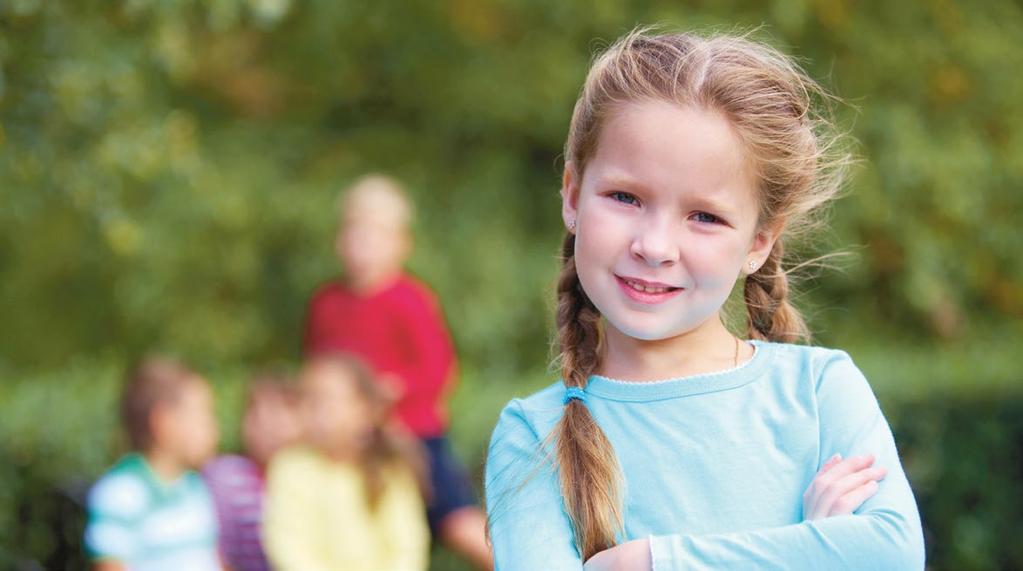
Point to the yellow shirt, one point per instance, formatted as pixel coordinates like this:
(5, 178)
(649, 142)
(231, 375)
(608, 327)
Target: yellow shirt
(317, 518)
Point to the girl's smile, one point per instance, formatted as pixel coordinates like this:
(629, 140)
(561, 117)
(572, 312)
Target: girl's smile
(647, 292)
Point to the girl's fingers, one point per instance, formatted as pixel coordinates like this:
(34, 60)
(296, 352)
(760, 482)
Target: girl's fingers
(821, 493)
(852, 501)
(857, 479)
(831, 462)
(846, 485)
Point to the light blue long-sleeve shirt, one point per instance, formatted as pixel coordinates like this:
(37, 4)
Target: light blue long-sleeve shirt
(714, 467)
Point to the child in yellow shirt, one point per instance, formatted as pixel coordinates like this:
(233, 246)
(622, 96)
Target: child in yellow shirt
(350, 499)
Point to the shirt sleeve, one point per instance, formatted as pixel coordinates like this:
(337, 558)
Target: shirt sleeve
(404, 524)
(113, 507)
(288, 531)
(429, 367)
(884, 533)
(529, 528)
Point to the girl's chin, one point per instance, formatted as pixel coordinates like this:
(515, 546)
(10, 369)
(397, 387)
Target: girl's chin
(646, 331)
(652, 326)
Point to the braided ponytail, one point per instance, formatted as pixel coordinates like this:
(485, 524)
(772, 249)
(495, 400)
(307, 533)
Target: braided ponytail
(770, 315)
(587, 466)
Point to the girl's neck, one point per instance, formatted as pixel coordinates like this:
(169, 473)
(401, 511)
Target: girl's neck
(348, 452)
(342, 456)
(708, 348)
(372, 285)
(166, 467)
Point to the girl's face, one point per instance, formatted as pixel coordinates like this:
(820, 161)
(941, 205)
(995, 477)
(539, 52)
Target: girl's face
(665, 218)
(271, 422)
(187, 427)
(336, 413)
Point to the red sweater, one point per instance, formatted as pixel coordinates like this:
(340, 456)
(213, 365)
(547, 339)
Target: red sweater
(398, 330)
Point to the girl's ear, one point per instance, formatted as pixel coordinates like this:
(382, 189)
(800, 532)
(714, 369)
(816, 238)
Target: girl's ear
(760, 248)
(570, 197)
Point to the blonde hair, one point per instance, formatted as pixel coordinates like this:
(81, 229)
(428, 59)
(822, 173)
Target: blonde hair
(382, 194)
(799, 163)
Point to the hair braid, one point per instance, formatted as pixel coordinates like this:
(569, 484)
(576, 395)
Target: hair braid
(587, 466)
(770, 315)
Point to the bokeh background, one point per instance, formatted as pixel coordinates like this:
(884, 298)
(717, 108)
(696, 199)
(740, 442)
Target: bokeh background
(169, 170)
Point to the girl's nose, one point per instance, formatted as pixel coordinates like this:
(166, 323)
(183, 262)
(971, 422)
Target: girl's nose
(654, 244)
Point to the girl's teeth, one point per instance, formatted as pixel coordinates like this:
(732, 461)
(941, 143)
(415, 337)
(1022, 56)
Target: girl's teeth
(640, 287)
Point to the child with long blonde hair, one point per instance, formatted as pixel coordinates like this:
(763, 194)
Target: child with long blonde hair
(669, 442)
(351, 497)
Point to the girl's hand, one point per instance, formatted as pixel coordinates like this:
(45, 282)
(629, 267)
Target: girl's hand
(629, 556)
(841, 486)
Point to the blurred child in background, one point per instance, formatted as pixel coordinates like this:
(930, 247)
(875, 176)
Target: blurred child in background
(352, 498)
(393, 322)
(236, 482)
(151, 511)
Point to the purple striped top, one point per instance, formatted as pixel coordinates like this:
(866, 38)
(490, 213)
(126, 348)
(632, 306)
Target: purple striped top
(237, 486)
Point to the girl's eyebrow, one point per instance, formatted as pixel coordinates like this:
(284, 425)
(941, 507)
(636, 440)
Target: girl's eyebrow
(619, 179)
(713, 205)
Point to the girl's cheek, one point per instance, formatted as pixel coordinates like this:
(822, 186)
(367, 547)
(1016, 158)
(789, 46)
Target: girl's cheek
(600, 231)
(597, 254)
(714, 262)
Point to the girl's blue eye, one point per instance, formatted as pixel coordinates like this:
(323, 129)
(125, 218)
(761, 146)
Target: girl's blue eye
(623, 197)
(708, 218)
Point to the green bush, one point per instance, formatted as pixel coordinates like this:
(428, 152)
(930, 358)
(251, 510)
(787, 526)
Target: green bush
(963, 456)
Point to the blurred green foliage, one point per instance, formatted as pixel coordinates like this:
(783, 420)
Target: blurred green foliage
(169, 171)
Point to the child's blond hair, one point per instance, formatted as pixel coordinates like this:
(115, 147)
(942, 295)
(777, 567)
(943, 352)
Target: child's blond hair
(381, 193)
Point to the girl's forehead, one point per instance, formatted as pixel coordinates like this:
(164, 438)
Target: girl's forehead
(662, 146)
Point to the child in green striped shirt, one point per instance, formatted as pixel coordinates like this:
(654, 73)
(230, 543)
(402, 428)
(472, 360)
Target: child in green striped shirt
(151, 511)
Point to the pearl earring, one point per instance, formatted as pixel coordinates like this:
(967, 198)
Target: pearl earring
(571, 225)
(752, 265)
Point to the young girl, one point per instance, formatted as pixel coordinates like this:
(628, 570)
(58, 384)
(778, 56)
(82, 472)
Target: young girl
(670, 443)
(351, 499)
